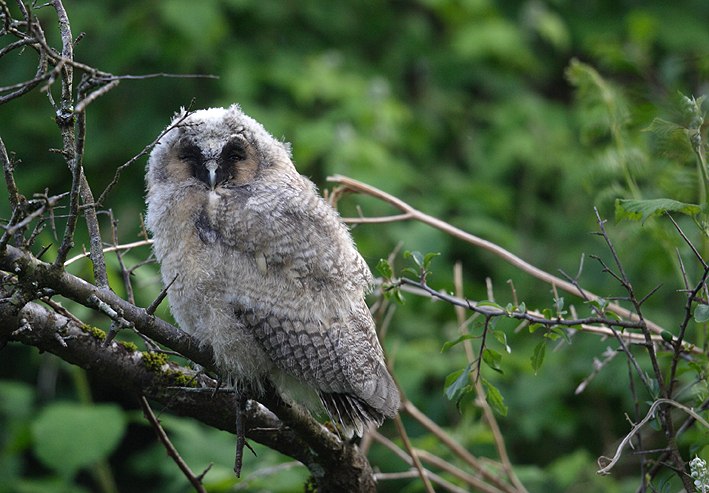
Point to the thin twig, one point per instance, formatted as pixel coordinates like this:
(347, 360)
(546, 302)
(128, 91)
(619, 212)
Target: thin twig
(81, 105)
(145, 150)
(598, 365)
(127, 246)
(124, 272)
(51, 202)
(686, 240)
(416, 288)
(156, 302)
(651, 412)
(169, 447)
(683, 327)
(412, 453)
(414, 472)
(474, 482)
(152, 76)
(454, 446)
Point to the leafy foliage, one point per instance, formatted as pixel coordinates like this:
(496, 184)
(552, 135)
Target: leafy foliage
(69, 437)
(469, 111)
(641, 210)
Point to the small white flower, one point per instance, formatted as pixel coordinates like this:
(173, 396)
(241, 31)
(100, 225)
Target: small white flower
(698, 472)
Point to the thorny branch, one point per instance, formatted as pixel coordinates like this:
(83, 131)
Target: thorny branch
(607, 464)
(348, 185)
(665, 392)
(588, 324)
(650, 335)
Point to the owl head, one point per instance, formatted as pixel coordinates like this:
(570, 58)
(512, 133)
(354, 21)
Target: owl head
(216, 147)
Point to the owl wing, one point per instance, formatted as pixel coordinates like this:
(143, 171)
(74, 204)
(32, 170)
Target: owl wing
(317, 326)
(352, 382)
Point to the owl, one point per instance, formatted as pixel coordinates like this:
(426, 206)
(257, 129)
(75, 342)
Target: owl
(265, 271)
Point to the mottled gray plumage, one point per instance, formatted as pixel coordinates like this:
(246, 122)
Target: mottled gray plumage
(267, 273)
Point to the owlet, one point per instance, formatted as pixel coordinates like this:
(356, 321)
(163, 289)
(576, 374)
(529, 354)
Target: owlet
(266, 272)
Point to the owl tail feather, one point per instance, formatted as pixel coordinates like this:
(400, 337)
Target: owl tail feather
(352, 414)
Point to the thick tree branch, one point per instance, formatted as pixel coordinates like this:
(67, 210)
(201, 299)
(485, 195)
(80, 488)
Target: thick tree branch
(335, 465)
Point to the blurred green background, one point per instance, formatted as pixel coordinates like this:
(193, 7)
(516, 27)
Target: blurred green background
(469, 110)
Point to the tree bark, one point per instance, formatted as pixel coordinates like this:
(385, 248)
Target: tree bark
(285, 426)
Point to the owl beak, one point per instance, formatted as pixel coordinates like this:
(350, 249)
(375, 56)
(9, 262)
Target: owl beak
(212, 166)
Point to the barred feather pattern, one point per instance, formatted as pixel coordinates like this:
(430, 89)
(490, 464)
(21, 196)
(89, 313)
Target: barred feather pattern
(346, 374)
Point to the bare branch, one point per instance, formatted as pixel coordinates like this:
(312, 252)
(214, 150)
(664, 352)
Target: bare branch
(169, 447)
(297, 434)
(609, 463)
(114, 248)
(413, 473)
(142, 153)
(455, 447)
(412, 453)
(83, 103)
(354, 186)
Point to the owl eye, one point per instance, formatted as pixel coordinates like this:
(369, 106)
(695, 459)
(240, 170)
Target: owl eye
(191, 154)
(234, 152)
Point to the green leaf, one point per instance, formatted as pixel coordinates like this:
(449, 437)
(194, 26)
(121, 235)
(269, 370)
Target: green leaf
(599, 303)
(411, 271)
(653, 386)
(427, 259)
(70, 436)
(392, 291)
(696, 367)
(666, 335)
(399, 297)
(494, 398)
(462, 338)
(456, 382)
(534, 327)
(492, 359)
(418, 258)
(664, 128)
(385, 269)
(562, 333)
(642, 210)
(489, 303)
(502, 337)
(701, 314)
(538, 355)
